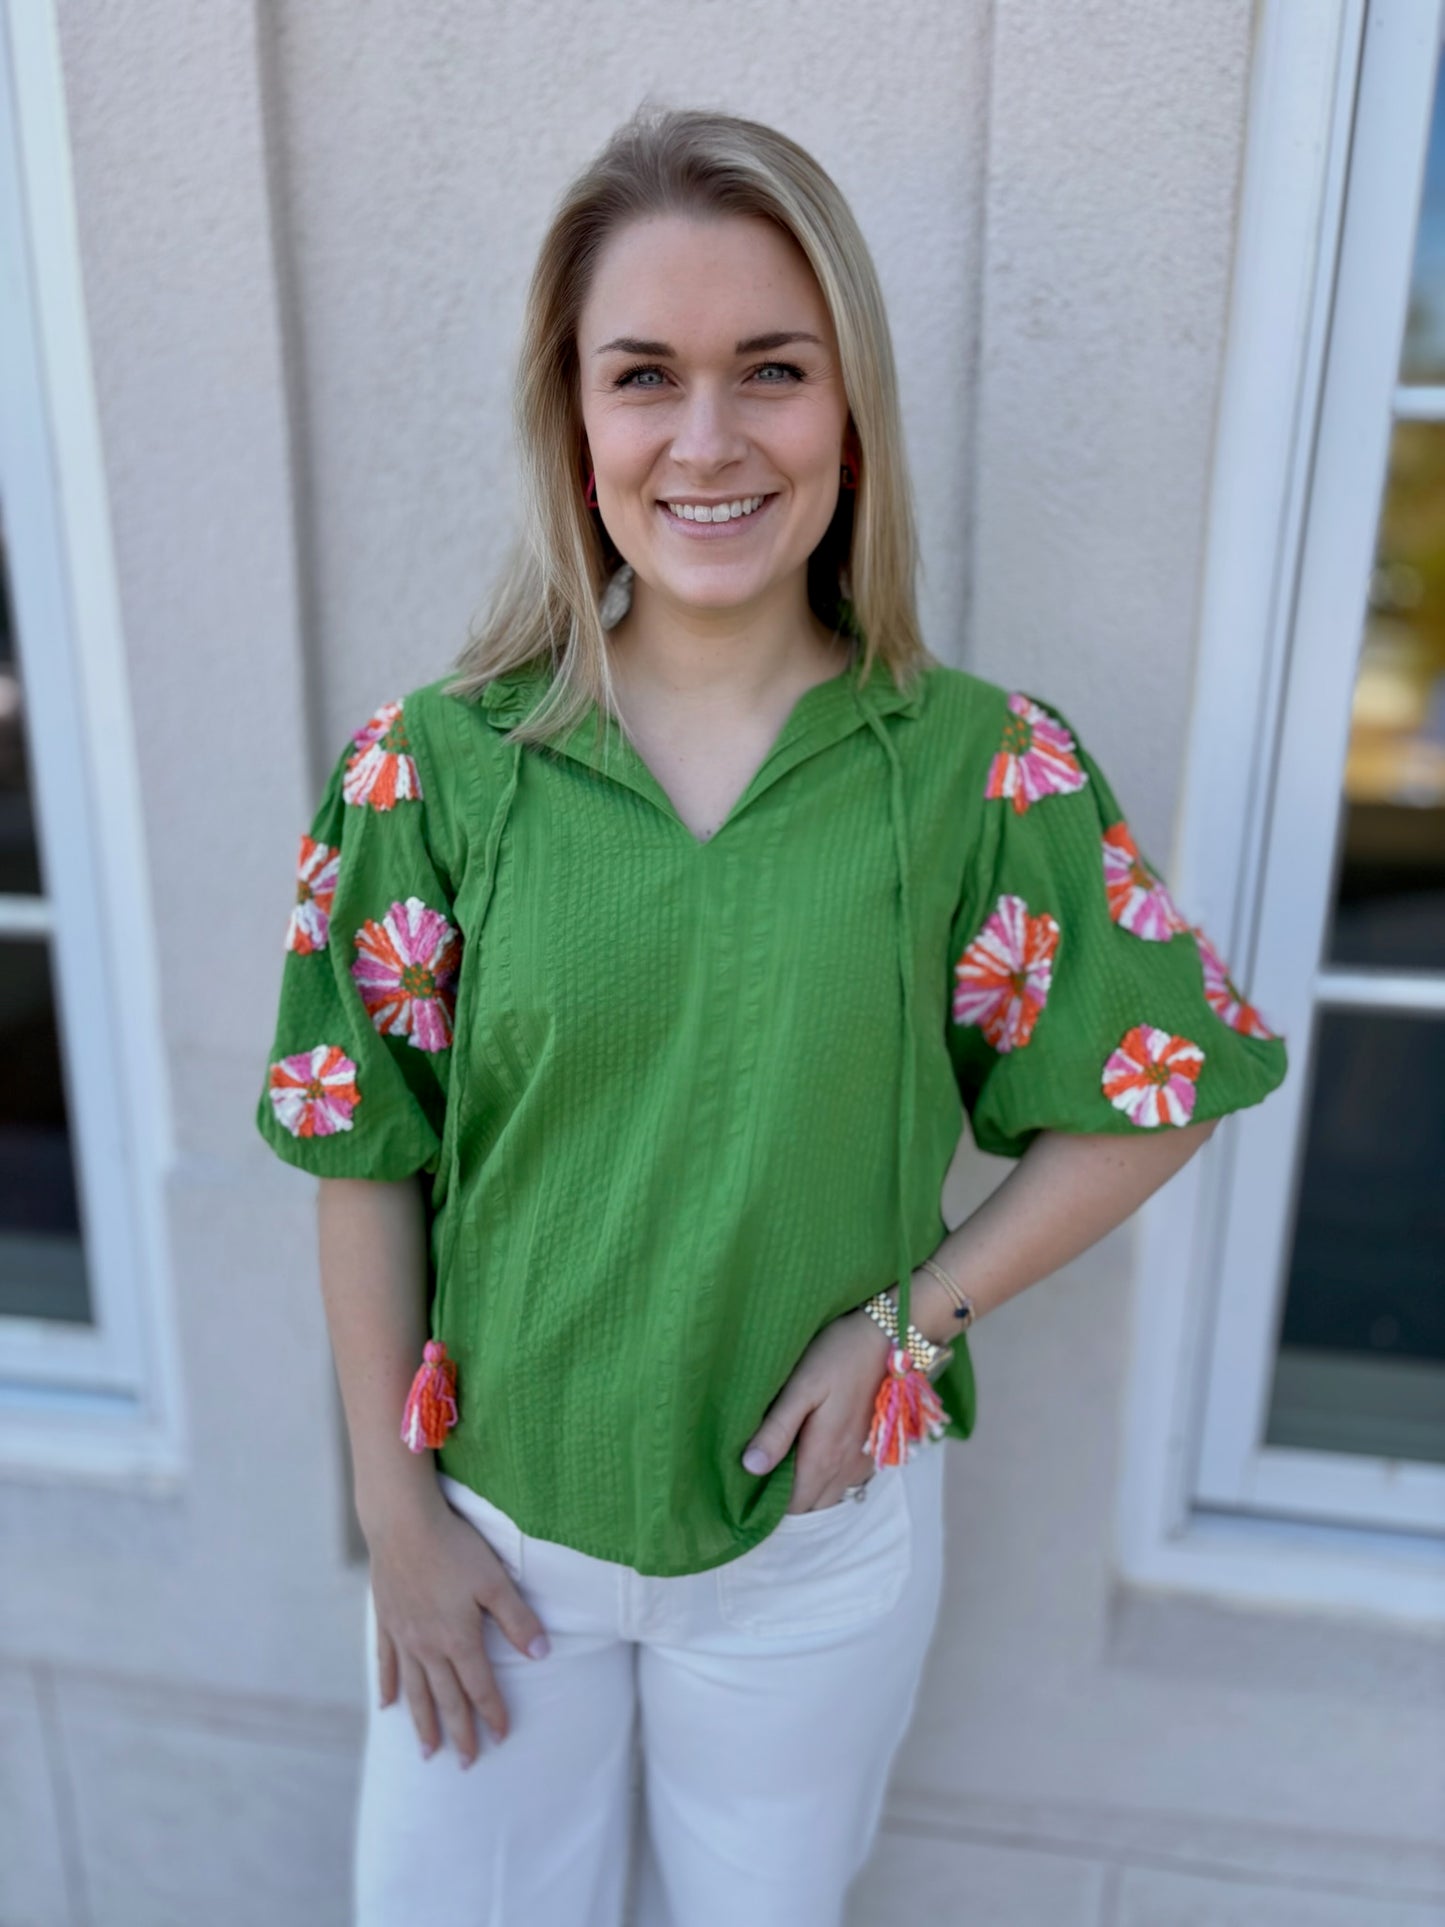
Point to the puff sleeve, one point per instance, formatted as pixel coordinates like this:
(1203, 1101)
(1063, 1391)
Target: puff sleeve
(356, 1082)
(1083, 998)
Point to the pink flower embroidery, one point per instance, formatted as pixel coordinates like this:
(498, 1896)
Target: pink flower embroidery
(1003, 976)
(314, 1092)
(1139, 902)
(1151, 1076)
(381, 770)
(316, 872)
(407, 971)
(1036, 758)
(1223, 995)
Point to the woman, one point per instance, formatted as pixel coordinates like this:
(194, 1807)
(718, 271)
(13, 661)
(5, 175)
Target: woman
(637, 977)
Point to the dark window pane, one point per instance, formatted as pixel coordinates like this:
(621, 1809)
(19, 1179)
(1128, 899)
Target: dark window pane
(19, 853)
(1422, 358)
(1362, 1349)
(1390, 892)
(42, 1262)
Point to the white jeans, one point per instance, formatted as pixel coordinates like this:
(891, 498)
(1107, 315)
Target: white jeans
(765, 1700)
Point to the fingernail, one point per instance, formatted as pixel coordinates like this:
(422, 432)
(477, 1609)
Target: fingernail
(755, 1459)
(540, 1646)
(427, 1751)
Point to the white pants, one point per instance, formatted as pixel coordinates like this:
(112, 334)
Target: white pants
(761, 1704)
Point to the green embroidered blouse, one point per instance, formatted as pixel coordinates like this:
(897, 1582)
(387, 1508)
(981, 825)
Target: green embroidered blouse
(681, 1103)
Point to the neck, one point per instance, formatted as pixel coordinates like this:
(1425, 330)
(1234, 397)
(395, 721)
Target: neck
(746, 656)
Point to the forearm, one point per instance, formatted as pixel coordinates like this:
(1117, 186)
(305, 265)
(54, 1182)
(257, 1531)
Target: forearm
(373, 1282)
(1066, 1192)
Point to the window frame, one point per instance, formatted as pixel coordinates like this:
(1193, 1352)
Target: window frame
(100, 1398)
(1202, 1504)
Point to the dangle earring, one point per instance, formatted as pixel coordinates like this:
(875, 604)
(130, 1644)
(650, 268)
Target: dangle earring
(616, 597)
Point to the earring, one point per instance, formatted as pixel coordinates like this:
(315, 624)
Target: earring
(849, 476)
(616, 597)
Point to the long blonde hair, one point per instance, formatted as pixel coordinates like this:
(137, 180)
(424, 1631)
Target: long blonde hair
(861, 576)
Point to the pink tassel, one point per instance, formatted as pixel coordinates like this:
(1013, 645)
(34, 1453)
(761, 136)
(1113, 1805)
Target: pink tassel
(906, 1413)
(431, 1405)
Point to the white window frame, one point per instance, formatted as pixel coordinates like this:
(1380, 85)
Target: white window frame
(1324, 249)
(99, 1398)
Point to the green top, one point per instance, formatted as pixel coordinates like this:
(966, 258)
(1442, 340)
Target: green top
(669, 1093)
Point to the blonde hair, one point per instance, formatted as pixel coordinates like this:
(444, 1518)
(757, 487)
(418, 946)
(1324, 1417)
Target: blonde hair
(861, 576)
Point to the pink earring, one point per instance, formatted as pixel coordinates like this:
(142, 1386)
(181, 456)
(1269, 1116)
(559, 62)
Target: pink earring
(850, 479)
(592, 488)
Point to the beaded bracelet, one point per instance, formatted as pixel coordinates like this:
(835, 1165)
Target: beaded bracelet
(927, 1356)
(963, 1304)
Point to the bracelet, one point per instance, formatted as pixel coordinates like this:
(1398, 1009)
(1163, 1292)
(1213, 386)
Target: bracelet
(963, 1304)
(927, 1356)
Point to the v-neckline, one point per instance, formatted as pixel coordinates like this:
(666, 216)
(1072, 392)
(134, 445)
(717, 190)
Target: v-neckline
(787, 731)
(822, 714)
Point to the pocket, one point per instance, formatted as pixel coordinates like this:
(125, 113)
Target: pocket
(838, 1566)
(498, 1528)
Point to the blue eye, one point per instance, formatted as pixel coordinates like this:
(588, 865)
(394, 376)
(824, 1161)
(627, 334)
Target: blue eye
(628, 377)
(793, 373)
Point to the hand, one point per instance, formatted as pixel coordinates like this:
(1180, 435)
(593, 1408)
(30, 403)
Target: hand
(431, 1572)
(828, 1405)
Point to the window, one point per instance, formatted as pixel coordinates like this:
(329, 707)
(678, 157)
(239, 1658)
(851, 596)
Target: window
(82, 1383)
(1306, 1327)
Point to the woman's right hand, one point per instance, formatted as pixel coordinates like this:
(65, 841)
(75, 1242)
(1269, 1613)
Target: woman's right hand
(433, 1574)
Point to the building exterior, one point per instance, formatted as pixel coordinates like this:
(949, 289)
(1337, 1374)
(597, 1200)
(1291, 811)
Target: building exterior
(1168, 292)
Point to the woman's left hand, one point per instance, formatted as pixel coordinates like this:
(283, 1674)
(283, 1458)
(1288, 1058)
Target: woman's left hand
(828, 1405)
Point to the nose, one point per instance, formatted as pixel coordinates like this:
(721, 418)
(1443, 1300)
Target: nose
(707, 434)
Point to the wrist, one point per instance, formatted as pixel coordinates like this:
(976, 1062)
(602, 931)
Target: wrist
(930, 1308)
(398, 1486)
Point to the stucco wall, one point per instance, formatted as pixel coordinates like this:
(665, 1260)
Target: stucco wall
(306, 230)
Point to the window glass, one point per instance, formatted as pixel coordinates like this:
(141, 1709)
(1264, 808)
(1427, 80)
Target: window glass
(42, 1264)
(1390, 890)
(1361, 1365)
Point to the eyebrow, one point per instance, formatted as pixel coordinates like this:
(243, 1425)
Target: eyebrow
(755, 344)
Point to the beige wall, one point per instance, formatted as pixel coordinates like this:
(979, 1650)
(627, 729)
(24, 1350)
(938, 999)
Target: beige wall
(306, 229)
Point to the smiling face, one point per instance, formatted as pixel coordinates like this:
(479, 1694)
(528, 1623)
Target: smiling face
(714, 410)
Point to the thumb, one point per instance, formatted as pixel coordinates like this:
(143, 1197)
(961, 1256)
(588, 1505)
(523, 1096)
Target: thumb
(776, 1433)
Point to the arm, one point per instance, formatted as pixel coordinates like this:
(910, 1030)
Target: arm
(373, 1284)
(431, 1570)
(1068, 1190)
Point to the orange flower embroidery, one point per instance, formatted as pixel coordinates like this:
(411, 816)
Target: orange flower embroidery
(1003, 977)
(381, 770)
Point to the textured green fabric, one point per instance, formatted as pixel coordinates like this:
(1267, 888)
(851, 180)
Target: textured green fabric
(689, 1080)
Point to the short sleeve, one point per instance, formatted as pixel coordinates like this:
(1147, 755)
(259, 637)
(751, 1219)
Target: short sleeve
(355, 1085)
(1083, 998)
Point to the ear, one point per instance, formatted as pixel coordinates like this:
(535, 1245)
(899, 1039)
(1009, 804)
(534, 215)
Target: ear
(852, 448)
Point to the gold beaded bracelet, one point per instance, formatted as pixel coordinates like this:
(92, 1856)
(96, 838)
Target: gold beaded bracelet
(928, 1357)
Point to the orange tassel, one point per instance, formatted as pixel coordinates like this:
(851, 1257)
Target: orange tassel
(431, 1405)
(906, 1413)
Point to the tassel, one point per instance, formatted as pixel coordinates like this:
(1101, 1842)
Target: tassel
(906, 1413)
(431, 1405)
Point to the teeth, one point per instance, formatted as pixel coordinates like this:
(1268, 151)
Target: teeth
(718, 512)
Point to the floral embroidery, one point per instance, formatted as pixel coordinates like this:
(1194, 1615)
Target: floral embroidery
(1151, 1076)
(314, 1092)
(1139, 902)
(1005, 973)
(1223, 995)
(407, 972)
(381, 770)
(1036, 758)
(317, 868)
